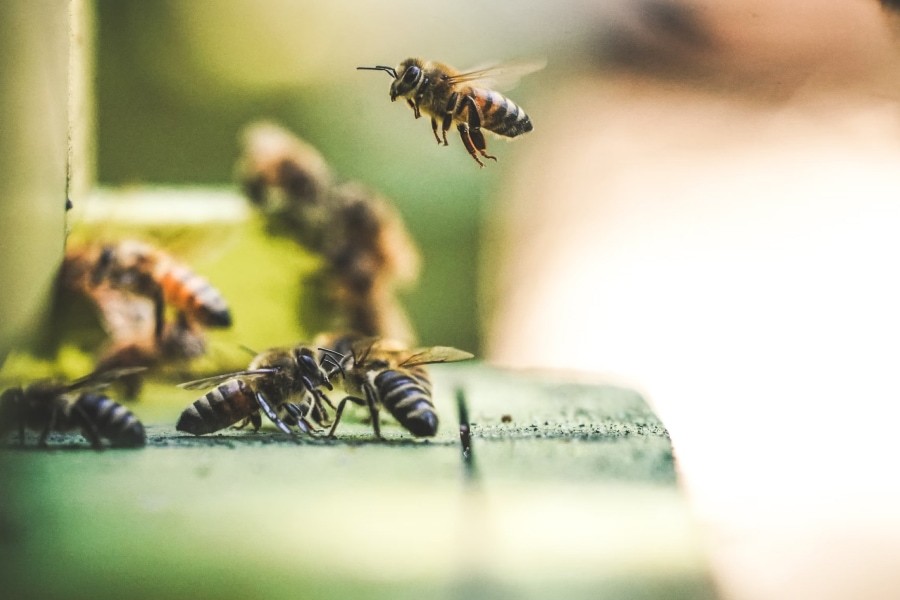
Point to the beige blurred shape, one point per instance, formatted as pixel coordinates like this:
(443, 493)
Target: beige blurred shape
(728, 243)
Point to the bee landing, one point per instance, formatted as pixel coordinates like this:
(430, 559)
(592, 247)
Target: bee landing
(444, 94)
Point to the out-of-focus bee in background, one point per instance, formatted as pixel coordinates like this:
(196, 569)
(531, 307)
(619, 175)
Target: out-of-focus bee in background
(284, 383)
(46, 406)
(448, 96)
(132, 284)
(367, 253)
(378, 372)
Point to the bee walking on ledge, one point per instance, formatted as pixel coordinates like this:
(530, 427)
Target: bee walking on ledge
(281, 382)
(47, 406)
(444, 94)
(380, 373)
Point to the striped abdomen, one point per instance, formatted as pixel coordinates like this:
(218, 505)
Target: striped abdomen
(499, 114)
(109, 419)
(407, 396)
(191, 293)
(221, 407)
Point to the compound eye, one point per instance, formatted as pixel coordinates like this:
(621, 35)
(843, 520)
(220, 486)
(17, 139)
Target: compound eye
(411, 74)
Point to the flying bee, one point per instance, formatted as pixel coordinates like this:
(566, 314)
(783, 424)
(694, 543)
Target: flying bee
(47, 406)
(143, 270)
(367, 253)
(445, 94)
(384, 373)
(279, 380)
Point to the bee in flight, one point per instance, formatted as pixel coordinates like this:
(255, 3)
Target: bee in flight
(383, 373)
(279, 382)
(445, 94)
(47, 406)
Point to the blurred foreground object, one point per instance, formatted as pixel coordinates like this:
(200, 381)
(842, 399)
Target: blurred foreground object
(367, 253)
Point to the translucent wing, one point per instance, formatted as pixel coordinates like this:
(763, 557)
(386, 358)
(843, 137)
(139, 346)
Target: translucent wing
(435, 354)
(100, 379)
(502, 76)
(199, 384)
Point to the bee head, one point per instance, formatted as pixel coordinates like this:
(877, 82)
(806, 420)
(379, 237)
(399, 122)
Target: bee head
(406, 76)
(311, 368)
(409, 74)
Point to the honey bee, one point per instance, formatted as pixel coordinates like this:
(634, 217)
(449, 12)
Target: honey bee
(47, 406)
(367, 252)
(143, 270)
(444, 94)
(281, 382)
(132, 284)
(378, 372)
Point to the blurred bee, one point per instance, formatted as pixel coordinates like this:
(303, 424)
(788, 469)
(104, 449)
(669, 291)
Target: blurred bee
(444, 94)
(384, 373)
(131, 284)
(47, 406)
(282, 382)
(366, 250)
(143, 270)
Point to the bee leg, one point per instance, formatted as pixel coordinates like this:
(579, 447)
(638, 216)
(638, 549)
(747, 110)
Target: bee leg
(323, 398)
(434, 129)
(51, 422)
(475, 133)
(88, 427)
(250, 419)
(267, 408)
(297, 415)
(467, 142)
(415, 107)
(256, 420)
(340, 411)
(159, 312)
(448, 120)
(373, 410)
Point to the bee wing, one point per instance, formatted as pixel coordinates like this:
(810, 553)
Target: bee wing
(435, 354)
(501, 76)
(206, 382)
(360, 348)
(100, 379)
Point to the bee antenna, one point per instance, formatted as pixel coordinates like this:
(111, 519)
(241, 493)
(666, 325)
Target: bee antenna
(389, 70)
(329, 358)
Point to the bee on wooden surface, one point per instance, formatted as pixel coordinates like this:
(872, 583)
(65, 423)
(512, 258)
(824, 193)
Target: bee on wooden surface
(447, 96)
(385, 373)
(367, 252)
(283, 383)
(47, 406)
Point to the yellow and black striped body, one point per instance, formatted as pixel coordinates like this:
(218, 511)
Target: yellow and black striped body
(406, 394)
(221, 407)
(100, 415)
(499, 114)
